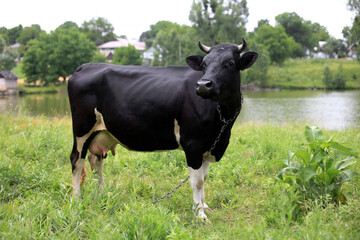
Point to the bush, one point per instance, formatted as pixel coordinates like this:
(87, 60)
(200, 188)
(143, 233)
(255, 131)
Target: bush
(319, 168)
(334, 82)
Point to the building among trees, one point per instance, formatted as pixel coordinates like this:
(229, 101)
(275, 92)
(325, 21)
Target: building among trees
(108, 48)
(8, 81)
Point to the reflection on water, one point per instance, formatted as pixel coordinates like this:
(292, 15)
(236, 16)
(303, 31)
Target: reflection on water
(330, 110)
(37, 104)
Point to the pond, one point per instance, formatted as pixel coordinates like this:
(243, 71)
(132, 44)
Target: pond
(327, 109)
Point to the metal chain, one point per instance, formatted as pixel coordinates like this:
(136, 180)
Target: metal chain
(226, 123)
(173, 190)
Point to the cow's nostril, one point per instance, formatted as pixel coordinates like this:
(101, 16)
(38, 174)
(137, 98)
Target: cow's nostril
(208, 84)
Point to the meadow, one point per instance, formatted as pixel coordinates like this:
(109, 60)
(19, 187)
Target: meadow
(248, 202)
(308, 73)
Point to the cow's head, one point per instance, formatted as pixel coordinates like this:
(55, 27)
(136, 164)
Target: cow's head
(220, 69)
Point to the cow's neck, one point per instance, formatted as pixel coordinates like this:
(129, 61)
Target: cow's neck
(232, 104)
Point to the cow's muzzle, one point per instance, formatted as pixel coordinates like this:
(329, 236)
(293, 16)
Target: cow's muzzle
(205, 88)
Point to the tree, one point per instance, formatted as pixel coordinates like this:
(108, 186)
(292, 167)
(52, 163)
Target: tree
(335, 48)
(149, 36)
(99, 30)
(306, 33)
(217, 21)
(353, 33)
(257, 74)
(27, 34)
(68, 25)
(7, 56)
(175, 43)
(127, 56)
(275, 40)
(56, 55)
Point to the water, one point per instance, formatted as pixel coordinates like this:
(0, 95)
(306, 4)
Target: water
(327, 109)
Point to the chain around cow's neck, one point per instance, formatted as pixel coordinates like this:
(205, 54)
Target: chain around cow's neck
(226, 123)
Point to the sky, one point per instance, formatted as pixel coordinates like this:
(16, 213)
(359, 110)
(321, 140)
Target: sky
(132, 17)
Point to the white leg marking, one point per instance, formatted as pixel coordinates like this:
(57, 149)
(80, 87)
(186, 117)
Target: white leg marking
(197, 179)
(97, 165)
(76, 175)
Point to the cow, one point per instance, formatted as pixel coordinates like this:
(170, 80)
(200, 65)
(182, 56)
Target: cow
(191, 108)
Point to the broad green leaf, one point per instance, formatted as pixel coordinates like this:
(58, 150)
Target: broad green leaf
(345, 163)
(308, 173)
(303, 155)
(331, 174)
(329, 163)
(343, 149)
(318, 155)
(313, 133)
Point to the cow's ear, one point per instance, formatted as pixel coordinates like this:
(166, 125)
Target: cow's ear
(247, 59)
(194, 61)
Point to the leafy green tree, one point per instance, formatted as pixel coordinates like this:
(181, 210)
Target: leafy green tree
(217, 21)
(98, 57)
(306, 33)
(127, 56)
(352, 34)
(7, 57)
(175, 43)
(257, 74)
(335, 47)
(26, 35)
(13, 34)
(275, 40)
(68, 25)
(56, 55)
(99, 30)
(149, 36)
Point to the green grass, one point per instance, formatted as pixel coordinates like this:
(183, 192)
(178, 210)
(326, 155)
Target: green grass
(308, 73)
(36, 202)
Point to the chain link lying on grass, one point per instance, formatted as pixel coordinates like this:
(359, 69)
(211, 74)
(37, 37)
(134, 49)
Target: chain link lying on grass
(171, 192)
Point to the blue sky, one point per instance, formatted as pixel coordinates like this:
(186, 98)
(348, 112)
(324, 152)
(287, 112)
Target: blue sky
(132, 17)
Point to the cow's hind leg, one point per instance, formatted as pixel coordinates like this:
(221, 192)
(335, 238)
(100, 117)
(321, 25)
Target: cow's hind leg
(96, 163)
(197, 179)
(77, 164)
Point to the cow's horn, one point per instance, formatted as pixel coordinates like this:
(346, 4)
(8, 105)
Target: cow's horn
(204, 48)
(243, 45)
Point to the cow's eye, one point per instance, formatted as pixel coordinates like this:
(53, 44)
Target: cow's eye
(231, 63)
(203, 65)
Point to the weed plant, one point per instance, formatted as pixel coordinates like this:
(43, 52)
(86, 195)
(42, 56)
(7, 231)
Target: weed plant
(37, 203)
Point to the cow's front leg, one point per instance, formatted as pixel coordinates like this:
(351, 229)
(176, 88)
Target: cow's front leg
(197, 179)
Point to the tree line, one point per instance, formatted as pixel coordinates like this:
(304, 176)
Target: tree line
(48, 56)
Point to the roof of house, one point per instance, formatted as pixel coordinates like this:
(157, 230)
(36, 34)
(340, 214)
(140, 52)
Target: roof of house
(122, 42)
(9, 75)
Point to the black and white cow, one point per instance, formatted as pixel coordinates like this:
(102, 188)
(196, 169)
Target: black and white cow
(159, 108)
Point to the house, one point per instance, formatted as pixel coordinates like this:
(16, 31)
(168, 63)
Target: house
(148, 55)
(108, 48)
(352, 50)
(8, 81)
